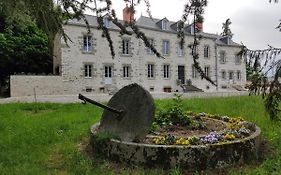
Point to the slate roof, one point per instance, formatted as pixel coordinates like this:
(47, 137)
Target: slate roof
(155, 24)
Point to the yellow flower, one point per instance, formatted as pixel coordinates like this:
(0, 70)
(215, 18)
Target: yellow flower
(159, 140)
(229, 137)
(182, 141)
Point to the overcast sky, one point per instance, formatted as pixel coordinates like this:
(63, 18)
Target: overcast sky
(253, 21)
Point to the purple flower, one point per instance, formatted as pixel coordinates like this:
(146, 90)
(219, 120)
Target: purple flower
(213, 137)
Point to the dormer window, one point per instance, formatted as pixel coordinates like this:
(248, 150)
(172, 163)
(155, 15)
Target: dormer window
(164, 24)
(106, 22)
(180, 25)
(192, 31)
(227, 40)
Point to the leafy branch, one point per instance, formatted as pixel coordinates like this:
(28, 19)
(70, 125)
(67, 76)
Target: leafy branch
(262, 63)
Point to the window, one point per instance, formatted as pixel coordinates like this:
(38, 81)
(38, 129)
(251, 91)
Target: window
(180, 50)
(206, 51)
(223, 74)
(207, 71)
(231, 75)
(106, 22)
(88, 71)
(194, 49)
(194, 72)
(192, 29)
(222, 57)
(238, 74)
(164, 25)
(107, 71)
(165, 47)
(126, 71)
(150, 71)
(151, 42)
(237, 59)
(87, 43)
(167, 89)
(166, 71)
(179, 26)
(125, 46)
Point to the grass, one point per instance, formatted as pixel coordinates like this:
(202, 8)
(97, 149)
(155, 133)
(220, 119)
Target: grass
(45, 138)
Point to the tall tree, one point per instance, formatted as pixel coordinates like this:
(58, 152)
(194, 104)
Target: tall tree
(23, 47)
(226, 28)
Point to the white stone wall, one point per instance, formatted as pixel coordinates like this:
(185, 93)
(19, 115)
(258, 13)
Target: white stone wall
(74, 59)
(231, 66)
(28, 85)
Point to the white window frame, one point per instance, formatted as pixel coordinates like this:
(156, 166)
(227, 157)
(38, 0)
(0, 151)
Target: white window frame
(150, 70)
(108, 71)
(88, 43)
(206, 51)
(238, 75)
(166, 70)
(149, 50)
(88, 70)
(194, 49)
(165, 49)
(125, 46)
(164, 24)
(207, 71)
(126, 71)
(180, 50)
(194, 72)
(231, 75)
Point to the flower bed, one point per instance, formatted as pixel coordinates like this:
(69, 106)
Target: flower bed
(191, 140)
(226, 129)
(195, 153)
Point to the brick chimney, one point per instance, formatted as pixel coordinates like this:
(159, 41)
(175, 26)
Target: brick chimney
(128, 15)
(199, 26)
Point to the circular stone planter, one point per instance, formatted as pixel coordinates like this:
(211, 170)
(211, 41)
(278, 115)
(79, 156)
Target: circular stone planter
(192, 157)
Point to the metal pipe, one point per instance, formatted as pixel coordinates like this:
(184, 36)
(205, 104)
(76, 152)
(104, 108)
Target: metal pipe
(85, 99)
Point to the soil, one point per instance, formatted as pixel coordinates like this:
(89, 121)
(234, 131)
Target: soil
(179, 131)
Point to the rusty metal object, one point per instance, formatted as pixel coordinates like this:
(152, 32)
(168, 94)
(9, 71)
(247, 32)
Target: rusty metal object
(118, 112)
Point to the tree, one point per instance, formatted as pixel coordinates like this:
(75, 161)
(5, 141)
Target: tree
(226, 28)
(23, 49)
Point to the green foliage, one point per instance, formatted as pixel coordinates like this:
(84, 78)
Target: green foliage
(176, 171)
(226, 28)
(172, 115)
(23, 48)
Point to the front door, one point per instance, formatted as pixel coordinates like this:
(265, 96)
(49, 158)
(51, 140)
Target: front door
(108, 74)
(181, 74)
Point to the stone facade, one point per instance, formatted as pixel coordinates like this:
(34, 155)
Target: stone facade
(139, 60)
(86, 65)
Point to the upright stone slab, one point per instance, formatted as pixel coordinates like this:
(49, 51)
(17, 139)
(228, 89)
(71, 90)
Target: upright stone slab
(138, 106)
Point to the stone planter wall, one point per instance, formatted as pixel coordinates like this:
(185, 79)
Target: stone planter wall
(192, 157)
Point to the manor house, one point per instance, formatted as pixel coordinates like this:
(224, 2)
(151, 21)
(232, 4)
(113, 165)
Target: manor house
(85, 64)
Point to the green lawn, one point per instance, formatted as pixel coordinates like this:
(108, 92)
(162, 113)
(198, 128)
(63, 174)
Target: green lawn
(46, 138)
